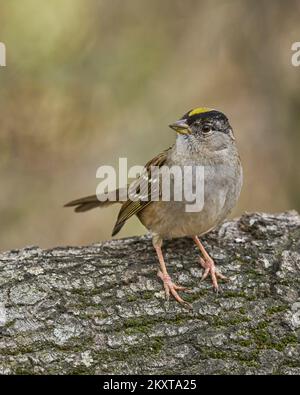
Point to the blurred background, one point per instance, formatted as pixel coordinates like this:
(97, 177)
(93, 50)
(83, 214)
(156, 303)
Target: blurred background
(89, 81)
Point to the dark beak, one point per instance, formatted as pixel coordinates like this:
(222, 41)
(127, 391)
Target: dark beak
(181, 127)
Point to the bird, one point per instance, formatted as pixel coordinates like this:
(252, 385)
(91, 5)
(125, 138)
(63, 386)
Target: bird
(204, 139)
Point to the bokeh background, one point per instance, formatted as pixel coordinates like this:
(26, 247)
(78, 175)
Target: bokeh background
(89, 81)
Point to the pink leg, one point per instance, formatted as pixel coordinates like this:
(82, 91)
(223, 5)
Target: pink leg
(209, 266)
(169, 286)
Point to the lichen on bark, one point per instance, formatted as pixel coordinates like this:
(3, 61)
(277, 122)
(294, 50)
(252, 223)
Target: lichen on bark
(101, 309)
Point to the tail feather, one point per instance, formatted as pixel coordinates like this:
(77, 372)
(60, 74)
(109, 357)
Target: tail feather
(89, 206)
(89, 202)
(117, 228)
(87, 199)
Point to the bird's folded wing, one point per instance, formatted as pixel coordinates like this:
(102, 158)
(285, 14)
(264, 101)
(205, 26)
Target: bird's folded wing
(143, 195)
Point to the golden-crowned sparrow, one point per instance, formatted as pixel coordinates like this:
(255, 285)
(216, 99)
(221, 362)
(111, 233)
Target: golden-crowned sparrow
(204, 139)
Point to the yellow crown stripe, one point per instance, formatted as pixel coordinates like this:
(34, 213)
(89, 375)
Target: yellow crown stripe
(199, 110)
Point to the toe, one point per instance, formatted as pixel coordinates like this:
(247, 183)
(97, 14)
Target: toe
(180, 300)
(205, 274)
(167, 291)
(221, 276)
(171, 288)
(179, 287)
(202, 262)
(209, 267)
(214, 280)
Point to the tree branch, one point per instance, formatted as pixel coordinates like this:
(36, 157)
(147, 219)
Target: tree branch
(100, 309)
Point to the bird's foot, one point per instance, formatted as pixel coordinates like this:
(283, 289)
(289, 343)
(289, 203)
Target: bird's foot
(171, 288)
(210, 269)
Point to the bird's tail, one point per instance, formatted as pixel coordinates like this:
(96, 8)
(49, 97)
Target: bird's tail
(89, 202)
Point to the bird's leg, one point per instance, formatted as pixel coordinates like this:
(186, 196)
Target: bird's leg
(208, 265)
(162, 273)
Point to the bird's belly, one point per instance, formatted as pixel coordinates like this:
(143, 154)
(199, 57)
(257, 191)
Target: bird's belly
(171, 219)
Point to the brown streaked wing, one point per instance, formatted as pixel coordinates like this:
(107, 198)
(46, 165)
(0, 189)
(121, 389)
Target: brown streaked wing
(130, 207)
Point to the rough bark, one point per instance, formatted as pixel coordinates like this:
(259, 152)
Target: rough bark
(101, 309)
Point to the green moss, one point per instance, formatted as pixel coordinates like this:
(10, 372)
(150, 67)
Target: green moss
(237, 320)
(138, 329)
(285, 341)
(246, 358)
(216, 354)
(244, 343)
(157, 345)
(144, 324)
(152, 348)
(242, 310)
(101, 314)
(238, 294)
(25, 349)
(234, 294)
(264, 340)
(249, 358)
(252, 272)
(190, 298)
(276, 309)
(262, 325)
(23, 371)
(262, 337)
(131, 298)
(147, 295)
(135, 322)
(230, 320)
(139, 325)
(251, 298)
(10, 323)
(81, 370)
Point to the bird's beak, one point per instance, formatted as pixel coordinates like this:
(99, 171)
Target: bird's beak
(181, 127)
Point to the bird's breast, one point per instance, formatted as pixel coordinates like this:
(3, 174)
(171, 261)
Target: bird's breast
(217, 190)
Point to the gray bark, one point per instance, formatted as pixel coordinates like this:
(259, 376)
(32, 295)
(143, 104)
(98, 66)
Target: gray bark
(101, 309)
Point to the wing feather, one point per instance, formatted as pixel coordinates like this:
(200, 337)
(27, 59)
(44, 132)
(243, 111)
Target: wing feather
(132, 207)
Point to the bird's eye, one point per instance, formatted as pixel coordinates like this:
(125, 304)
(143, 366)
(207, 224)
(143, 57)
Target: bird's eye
(206, 129)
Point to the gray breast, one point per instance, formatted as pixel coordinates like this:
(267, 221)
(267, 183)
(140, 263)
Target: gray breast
(222, 185)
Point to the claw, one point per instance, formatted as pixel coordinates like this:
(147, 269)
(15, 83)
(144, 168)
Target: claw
(171, 288)
(218, 290)
(209, 268)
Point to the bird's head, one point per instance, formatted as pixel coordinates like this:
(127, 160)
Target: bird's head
(204, 127)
